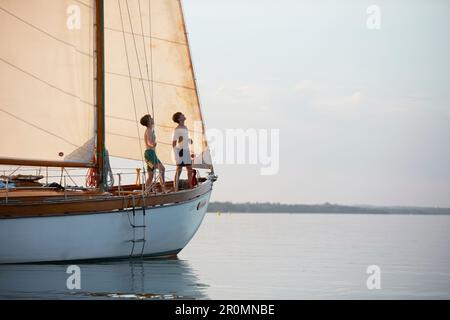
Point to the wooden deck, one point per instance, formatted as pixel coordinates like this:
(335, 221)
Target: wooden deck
(40, 202)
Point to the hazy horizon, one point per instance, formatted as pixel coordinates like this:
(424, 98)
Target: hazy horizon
(368, 205)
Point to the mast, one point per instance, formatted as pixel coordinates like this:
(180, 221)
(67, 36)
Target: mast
(100, 90)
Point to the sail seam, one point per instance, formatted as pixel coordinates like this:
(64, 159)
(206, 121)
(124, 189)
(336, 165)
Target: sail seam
(37, 127)
(47, 34)
(47, 83)
(145, 36)
(134, 138)
(154, 81)
(156, 125)
(84, 4)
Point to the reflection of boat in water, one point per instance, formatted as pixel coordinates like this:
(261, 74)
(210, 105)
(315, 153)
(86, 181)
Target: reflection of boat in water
(75, 78)
(124, 279)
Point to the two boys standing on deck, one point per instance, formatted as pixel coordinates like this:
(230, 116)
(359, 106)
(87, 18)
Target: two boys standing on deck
(180, 144)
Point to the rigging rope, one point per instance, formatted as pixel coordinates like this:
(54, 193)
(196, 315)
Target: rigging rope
(108, 170)
(74, 183)
(151, 89)
(150, 80)
(91, 175)
(151, 51)
(91, 181)
(131, 81)
(137, 54)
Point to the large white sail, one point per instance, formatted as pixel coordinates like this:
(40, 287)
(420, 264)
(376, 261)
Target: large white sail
(47, 103)
(148, 70)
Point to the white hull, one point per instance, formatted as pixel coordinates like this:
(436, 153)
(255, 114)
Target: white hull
(102, 235)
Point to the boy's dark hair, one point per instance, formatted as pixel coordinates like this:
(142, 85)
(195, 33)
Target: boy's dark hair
(176, 117)
(145, 120)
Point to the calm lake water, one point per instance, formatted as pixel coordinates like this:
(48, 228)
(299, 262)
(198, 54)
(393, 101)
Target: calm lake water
(268, 256)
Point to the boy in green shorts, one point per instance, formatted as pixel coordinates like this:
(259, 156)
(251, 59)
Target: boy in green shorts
(151, 159)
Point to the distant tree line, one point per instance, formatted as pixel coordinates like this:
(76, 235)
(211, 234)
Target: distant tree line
(267, 207)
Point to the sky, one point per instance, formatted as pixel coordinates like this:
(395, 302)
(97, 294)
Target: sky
(363, 114)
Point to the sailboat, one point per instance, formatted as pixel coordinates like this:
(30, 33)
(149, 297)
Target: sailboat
(75, 78)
